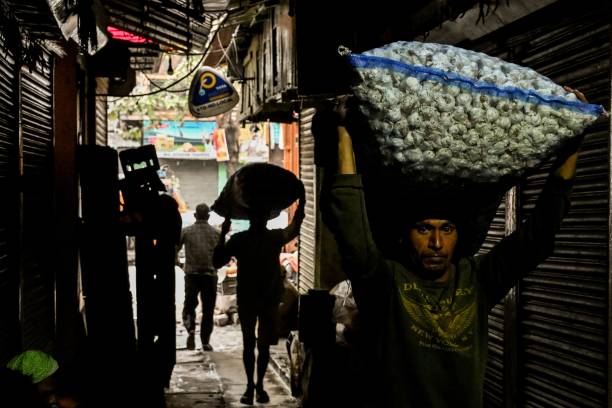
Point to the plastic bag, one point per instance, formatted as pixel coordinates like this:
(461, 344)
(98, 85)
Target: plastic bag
(345, 311)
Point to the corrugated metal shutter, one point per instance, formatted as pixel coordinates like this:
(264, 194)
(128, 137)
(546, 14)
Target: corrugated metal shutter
(101, 124)
(559, 313)
(37, 306)
(561, 308)
(308, 175)
(494, 374)
(101, 112)
(9, 272)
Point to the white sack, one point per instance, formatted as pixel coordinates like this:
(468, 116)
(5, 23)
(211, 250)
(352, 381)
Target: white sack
(442, 113)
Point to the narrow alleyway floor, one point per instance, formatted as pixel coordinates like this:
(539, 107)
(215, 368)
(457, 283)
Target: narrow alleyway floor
(216, 379)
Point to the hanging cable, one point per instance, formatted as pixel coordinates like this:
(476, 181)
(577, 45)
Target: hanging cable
(151, 81)
(165, 88)
(225, 50)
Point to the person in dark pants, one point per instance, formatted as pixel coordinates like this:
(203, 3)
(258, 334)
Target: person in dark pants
(259, 290)
(200, 276)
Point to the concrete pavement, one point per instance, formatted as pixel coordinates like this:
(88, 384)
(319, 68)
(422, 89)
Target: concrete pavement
(216, 379)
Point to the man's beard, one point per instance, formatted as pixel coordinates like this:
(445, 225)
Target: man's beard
(416, 265)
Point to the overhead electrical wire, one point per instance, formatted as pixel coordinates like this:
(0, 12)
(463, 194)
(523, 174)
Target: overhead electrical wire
(166, 88)
(225, 50)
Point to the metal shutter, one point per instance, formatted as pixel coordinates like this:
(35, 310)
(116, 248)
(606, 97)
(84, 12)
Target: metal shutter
(101, 126)
(494, 374)
(308, 175)
(9, 271)
(563, 309)
(101, 112)
(36, 116)
(563, 305)
(557, 322)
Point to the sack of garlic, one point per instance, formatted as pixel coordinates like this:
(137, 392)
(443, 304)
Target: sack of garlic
(443, 114)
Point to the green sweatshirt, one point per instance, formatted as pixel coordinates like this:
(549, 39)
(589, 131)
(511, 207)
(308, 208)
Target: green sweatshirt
(425, 343)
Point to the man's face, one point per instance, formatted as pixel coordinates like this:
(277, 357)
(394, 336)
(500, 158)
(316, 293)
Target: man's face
(434, 243)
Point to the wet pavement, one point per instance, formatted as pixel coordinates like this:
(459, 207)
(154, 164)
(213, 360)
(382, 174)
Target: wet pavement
(216, 379)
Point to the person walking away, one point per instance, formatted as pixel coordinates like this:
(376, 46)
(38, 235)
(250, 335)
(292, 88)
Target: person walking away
(259, 289)
(199, 240)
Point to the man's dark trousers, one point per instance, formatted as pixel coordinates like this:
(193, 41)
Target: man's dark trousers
(206, 287)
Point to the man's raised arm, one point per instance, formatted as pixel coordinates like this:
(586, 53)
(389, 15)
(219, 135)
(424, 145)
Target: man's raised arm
(222, 254)
(533, 241)
(293, 229)
(347, 212)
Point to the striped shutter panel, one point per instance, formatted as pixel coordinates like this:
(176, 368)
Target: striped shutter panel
(563, 308)
(308, 175)
(101, 112)
(494, 374)
(9, 270)
(37, 304)
(101, 124)
(559, 331)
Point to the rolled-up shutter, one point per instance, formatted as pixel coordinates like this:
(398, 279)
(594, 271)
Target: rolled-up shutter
(37, 307)
(308, 175)
(9, 271)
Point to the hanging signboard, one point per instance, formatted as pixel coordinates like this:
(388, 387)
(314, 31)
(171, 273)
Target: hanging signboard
(210, 93)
